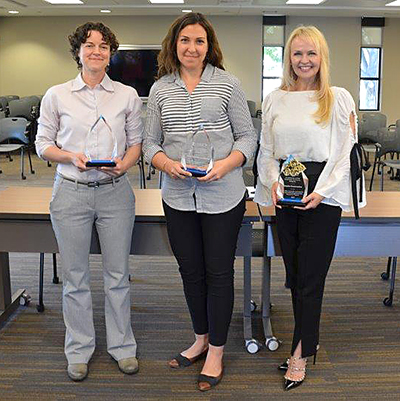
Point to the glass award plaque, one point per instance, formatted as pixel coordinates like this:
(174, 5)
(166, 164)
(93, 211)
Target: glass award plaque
(293, 183)
(101, 145)
(198, 153)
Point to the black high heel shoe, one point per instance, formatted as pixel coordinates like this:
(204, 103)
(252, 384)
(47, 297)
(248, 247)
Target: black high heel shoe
(284, 366)
(290, 384)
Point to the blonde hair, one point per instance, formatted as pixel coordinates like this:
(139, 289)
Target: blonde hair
(324, 94)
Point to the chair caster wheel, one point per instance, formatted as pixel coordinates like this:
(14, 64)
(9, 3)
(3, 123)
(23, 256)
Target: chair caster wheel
(23, 177)
(56, 280)
(129, 278)
(252, 346)
(384, 276)
(25, 299)
(272, 344)
(253, 306)
(32, 172)
(387, 302)
(40, 308)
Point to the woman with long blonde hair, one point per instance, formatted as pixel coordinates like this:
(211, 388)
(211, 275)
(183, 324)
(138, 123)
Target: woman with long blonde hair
(314, 123)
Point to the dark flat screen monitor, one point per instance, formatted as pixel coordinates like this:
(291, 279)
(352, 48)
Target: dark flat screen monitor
(135, 66)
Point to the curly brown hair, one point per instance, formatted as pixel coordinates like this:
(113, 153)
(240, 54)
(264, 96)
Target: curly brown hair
(168, 61)
(81, 34)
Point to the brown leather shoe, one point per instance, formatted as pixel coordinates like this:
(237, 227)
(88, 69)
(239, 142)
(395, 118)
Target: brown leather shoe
(206, 383)
(77, 371)
(128, 366)
(181, 361)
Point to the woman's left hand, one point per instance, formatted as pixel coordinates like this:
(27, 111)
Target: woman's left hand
(220, 168)
(312, 201)
(116, 171)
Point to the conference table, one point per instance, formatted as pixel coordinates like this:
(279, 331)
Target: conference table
(375, 234)
(25, 227)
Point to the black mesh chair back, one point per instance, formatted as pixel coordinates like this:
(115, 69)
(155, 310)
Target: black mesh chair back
(11, 97)
(369, 125)
(3, 103)
(13, 129)
(20, 108)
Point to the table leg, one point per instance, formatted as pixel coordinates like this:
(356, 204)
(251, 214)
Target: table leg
(8, 303)
(271, 342)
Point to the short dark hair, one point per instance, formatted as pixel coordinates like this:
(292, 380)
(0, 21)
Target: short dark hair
(168, 61)
(81, 34)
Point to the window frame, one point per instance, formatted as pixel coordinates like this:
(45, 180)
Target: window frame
(378, 79)
(262, 65)
(272, 21)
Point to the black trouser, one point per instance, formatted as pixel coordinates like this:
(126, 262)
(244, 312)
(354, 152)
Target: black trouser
(307, 239)
(204, 246)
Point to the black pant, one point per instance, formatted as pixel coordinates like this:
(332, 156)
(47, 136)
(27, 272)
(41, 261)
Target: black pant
(307, 239)
(204, 246)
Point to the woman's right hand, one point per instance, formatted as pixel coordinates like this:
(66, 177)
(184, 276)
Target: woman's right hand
(79, 160)
(274, 194)
(175, 169)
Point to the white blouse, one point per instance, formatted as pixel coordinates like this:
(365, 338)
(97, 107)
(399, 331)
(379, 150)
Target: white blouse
(289, 128)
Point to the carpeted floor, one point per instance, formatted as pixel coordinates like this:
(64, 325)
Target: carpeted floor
(359, 357)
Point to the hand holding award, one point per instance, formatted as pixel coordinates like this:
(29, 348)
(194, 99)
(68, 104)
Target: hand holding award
(198, 153)
(101, 145)
(294, 183)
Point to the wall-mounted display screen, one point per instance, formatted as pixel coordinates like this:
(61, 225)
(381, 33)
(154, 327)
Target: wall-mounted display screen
(135, 66)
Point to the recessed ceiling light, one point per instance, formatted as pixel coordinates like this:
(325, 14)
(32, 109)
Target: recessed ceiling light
(105, 11)
(64, 1)
(304, 1)
(187, 11)
(13, 12)
(166, 1)
(393, 4)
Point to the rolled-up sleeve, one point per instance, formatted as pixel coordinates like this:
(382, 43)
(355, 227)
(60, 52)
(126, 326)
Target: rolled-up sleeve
(134, 124)
(153, 133)
(49, 123)
(244, 134)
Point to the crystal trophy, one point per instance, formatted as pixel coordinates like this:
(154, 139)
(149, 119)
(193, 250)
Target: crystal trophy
(101, 145)
(198, 153)
(293, 183)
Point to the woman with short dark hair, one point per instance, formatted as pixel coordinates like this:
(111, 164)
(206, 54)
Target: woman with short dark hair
(195, 96)
(93, 116)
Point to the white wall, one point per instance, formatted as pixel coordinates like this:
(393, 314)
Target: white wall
(34, 53)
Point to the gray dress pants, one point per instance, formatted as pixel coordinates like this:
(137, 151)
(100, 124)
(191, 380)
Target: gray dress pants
(74, 209)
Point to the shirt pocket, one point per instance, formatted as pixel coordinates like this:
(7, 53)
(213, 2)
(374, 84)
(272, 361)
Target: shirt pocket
(211, 109)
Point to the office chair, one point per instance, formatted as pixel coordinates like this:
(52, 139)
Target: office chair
(388, 145)
(252, 107)
(11, 97)
(4, 104)
(12, 138)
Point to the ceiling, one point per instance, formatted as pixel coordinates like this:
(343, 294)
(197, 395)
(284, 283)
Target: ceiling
(334, 8)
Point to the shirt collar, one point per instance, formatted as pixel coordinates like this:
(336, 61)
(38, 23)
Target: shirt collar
(205, 76)
(78, 83)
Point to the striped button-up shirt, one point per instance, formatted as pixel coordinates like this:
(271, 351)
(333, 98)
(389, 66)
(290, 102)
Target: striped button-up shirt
(219, 105)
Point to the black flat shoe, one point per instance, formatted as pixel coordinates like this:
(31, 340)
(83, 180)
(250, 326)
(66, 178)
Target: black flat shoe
(181, 361)
(205, 383)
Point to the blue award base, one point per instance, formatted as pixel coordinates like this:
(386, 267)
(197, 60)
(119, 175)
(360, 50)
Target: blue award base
(196, 172)
(290, 202)
(100, 163)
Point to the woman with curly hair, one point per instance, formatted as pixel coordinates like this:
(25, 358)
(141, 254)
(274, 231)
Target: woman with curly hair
(100, 195)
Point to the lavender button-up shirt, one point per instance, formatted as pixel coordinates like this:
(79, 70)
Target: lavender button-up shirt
(68, 111)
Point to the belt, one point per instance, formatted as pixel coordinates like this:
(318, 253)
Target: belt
(94, 184)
